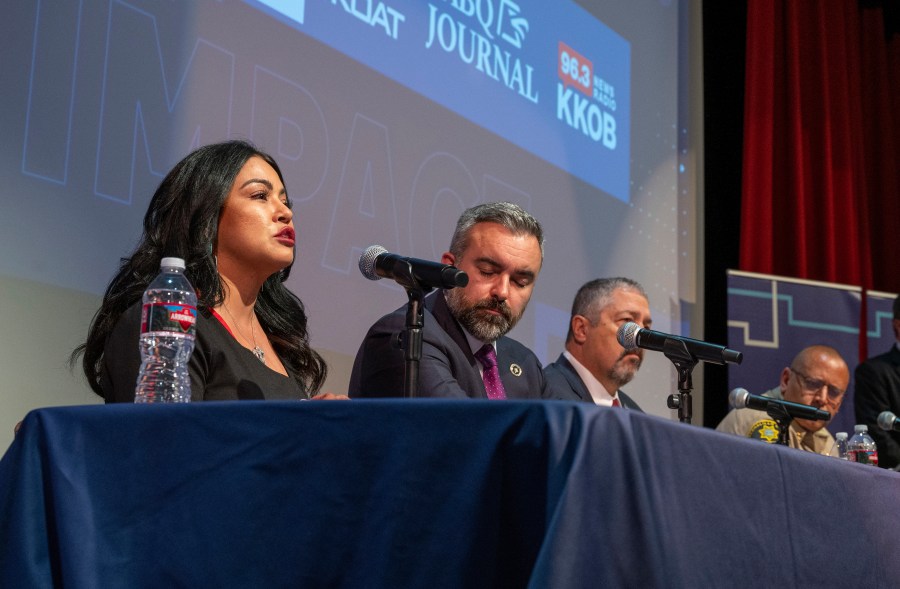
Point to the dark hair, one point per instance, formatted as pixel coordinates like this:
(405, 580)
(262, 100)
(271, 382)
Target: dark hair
(595, 295)
(509, 215)
(182, 220)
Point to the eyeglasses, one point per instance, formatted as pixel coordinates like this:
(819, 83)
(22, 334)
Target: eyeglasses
(814, 385)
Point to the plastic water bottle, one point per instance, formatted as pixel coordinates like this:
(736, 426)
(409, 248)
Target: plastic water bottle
(861, 447)
(168, 325)
(840, 443)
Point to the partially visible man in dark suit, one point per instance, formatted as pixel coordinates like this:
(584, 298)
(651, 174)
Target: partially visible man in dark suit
(877, 389)
(465, 351)
(594, 366)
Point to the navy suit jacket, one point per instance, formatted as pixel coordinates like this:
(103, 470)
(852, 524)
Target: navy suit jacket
(564, 383)
(877, 389)
(447, 368)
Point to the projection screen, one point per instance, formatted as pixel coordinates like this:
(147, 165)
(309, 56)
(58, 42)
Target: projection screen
(388, 118)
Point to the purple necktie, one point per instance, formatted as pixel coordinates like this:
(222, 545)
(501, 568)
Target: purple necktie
(492, 383)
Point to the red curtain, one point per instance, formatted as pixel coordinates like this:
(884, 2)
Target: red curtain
(821, 176)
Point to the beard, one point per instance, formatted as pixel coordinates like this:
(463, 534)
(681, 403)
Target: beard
(622, 372)
(476, 319)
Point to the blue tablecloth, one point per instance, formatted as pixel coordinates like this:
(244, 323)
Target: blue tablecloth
(425, 493)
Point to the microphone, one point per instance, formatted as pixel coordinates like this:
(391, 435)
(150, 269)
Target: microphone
(631, 335)
(888, 421)
(740, 398)
(376, 263)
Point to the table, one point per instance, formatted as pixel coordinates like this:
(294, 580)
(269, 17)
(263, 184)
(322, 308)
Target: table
(429, 493)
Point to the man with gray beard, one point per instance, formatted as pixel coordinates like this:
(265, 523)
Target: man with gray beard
(594, 366)
(465, 351)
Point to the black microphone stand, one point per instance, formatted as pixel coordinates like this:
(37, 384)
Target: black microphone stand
(676, 351)
(779, 413)
(415, 321)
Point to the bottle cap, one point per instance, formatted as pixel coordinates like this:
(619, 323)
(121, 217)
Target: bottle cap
(172, 263)
(840, 436)
(860, 427)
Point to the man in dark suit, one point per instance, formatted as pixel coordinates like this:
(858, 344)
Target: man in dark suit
(465, 351)
(877, 389)
(594, 366)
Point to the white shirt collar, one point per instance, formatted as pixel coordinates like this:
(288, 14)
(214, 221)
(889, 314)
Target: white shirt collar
(476, 344)
(598, 392)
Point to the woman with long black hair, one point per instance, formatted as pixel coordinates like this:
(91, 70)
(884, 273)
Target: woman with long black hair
(225, 210)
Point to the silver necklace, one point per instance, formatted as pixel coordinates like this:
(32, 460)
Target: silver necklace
(257, 351)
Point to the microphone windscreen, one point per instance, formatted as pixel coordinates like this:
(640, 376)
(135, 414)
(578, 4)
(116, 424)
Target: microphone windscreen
(738, 398)
(886, 420)
(367, 261)
(627, 335)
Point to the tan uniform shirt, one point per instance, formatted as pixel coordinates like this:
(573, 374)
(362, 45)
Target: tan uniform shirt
(758, 425)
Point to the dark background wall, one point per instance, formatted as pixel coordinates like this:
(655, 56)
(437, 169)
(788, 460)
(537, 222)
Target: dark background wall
(724, 38)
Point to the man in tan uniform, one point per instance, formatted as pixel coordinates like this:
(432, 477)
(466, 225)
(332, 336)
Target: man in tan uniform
(818, 376)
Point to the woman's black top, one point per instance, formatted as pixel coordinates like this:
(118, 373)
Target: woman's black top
(221, 369)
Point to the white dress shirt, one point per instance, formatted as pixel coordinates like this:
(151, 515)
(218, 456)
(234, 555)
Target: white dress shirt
(598, 392)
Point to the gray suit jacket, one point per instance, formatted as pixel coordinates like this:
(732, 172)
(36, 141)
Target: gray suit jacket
(564, 383)
(447, 368)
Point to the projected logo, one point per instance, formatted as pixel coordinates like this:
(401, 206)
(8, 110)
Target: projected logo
(473, 31)
(492, 62)
(585, 102)
(292, 10)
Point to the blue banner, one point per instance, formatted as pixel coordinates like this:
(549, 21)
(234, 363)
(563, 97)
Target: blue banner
(772, 318)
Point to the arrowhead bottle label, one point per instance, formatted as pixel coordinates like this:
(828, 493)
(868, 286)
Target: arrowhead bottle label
(181, 319)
